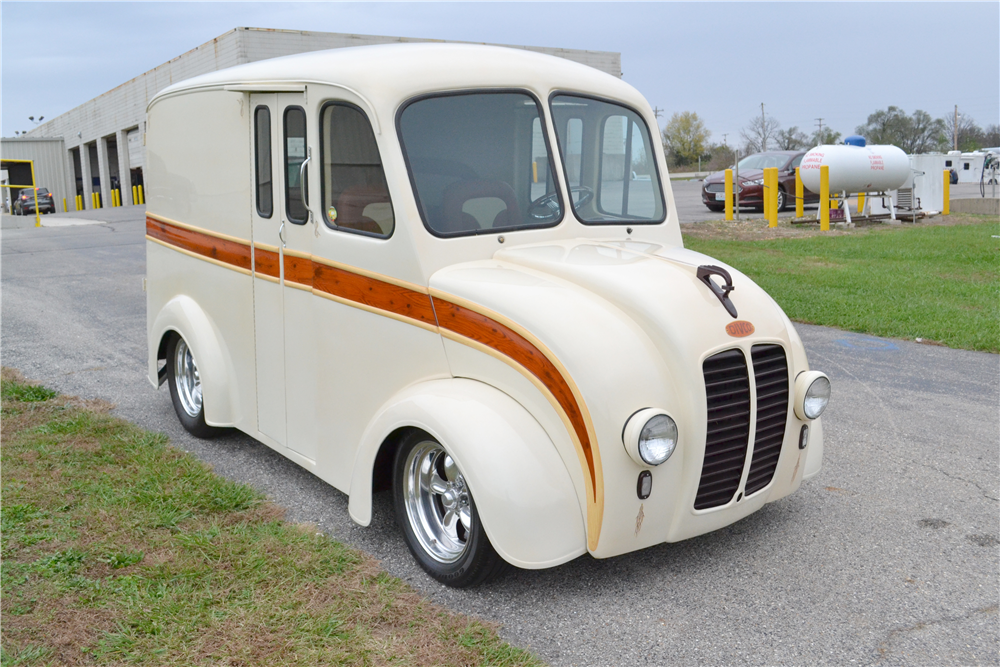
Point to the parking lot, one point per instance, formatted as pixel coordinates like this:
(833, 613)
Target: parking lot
(890, 556)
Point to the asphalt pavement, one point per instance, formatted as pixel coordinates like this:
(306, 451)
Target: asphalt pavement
(890, 556)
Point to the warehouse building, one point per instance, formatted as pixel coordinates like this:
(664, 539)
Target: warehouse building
(98, 146)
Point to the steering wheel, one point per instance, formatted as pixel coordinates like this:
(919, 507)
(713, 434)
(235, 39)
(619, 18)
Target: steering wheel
(546, 207)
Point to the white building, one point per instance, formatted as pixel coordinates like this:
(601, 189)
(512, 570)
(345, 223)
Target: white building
(102, 140)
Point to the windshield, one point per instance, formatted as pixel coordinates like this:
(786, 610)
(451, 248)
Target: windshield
(763, 161)
(609, 163)
(479, 163)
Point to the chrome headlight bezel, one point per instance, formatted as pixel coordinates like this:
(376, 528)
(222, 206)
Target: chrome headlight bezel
(809, 386)
(637, 432)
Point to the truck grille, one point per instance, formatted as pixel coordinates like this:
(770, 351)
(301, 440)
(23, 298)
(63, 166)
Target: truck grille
(770, 372)
(727, 390)
(727, 387)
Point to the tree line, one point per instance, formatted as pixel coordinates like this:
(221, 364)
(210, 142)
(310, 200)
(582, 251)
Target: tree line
(686, 139)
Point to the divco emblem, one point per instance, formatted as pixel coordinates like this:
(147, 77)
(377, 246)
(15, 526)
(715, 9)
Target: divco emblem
(739, 329)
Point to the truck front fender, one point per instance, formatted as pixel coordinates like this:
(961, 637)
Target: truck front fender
(184, 316)
(523, 492)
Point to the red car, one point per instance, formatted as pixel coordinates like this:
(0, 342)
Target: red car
(751, 181)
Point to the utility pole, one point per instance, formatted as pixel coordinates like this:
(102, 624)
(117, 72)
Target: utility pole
(819, 133)
(955, 133)
(763, 129)
(657, 111)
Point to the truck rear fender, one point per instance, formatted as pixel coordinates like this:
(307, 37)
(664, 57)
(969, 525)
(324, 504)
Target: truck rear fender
(183, 316)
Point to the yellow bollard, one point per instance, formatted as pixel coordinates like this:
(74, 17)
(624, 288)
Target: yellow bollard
(142, 195)
(118, 197)
(800, 209)
(729, 194)
(766, 193)
(946, 206)
(771, 196)
(861, 203)
(824, 198)
(65, 209)
(135, 198)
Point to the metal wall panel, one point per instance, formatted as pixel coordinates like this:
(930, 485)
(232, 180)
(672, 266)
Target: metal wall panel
(50, 164)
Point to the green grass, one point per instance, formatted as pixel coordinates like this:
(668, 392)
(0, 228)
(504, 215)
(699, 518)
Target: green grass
(937, 283)
(119, 549)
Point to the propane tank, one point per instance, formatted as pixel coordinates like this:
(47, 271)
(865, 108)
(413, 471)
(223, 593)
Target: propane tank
(856, 168)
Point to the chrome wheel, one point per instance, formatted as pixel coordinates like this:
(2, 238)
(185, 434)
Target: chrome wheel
(437, 502)
(186, 379)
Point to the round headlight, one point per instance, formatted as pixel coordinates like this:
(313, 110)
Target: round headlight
(812, 393)
(650, 437)
(817, 397)
(657, 440)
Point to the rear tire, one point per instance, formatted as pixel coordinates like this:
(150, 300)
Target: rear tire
(185, 389)
(438, 517)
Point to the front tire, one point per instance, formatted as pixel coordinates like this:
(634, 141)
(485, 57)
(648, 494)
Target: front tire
(185, 389)
(782, 200)
(438, 517)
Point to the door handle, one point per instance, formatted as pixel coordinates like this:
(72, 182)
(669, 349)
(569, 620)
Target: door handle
(302, 188)
(281, 233)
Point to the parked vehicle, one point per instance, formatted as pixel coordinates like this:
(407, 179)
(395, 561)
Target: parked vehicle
(456, 273)
(24, 204)
(751, 182)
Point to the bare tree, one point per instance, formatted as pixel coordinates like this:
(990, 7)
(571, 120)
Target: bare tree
(991, 136)
(969, 134)
(759, 133)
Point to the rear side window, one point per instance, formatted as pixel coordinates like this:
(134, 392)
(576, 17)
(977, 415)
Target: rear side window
(262, 159)
(295, 155)
(355, 192)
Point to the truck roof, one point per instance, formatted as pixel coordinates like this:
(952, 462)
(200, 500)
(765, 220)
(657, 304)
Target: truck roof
(389, 73)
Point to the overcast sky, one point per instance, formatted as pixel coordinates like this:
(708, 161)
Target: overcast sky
(836, 61)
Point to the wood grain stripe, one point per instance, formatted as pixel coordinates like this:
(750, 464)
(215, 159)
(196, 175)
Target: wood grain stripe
(508, 342)
(222, 250)
(374, 293)
(266, 262)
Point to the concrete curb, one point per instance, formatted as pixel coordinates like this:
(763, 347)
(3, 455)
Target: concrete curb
(980, 206)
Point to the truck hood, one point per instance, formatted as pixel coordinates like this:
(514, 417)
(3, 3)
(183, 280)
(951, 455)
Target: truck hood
(583, 297)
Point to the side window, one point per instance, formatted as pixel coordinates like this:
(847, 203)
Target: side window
(295, 155)
(796, 162)
(355, 192)
(262, 161)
